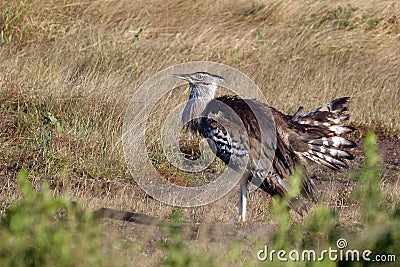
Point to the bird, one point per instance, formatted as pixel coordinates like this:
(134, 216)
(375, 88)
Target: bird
(301, 138)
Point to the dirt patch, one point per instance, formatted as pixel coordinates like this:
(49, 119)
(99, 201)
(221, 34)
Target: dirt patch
(388, 142)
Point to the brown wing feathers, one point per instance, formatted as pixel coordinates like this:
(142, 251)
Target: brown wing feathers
(321, 130)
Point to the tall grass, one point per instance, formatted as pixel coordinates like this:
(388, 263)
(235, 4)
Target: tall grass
(298, 53)
(69, 68)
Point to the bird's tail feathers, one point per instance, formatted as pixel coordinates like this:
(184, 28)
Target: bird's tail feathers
(321, 129)
(330, 116)
(309, 190)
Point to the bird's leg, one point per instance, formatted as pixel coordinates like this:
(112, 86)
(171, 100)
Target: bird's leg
(243, 200)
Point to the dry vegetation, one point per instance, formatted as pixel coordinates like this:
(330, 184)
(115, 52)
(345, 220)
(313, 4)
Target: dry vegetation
(80, 62)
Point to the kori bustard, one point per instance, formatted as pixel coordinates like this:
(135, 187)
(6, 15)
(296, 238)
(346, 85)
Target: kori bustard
(315, 137)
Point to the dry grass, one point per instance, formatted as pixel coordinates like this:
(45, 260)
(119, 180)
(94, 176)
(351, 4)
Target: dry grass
(297, 53)
(81, 61)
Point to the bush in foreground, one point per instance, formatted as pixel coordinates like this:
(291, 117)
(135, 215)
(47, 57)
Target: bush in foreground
(41, 230)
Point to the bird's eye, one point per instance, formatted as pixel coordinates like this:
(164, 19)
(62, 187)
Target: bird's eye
(200, 76)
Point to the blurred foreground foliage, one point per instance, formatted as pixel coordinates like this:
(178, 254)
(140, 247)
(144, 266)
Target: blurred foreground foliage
(41, 230)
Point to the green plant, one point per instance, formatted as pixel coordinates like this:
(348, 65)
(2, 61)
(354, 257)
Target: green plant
(368, 191)
(178, 251)
(40, 230)
(49, 118)
(14, 22)
(380, 226)
(342, 17)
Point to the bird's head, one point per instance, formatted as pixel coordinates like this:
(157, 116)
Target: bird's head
(202, 84)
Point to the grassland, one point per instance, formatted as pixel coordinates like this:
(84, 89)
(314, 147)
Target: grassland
(69, 68)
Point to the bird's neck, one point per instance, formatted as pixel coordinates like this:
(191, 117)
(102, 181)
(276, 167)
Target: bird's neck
(198, 99)
(204, 92)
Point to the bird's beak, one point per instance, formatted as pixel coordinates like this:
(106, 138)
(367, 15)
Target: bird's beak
(185, 77)
(221, 80)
